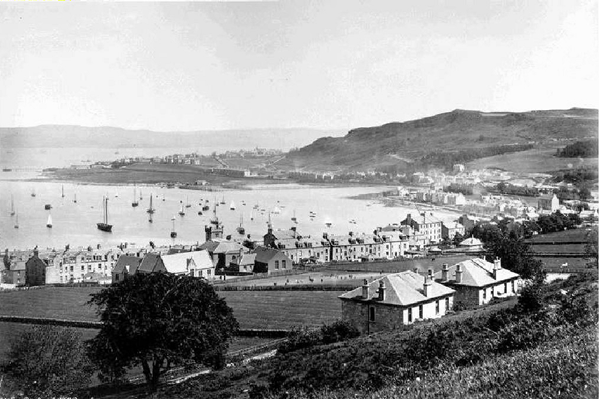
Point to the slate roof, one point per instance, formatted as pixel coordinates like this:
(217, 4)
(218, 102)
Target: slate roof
(265, 254)
(149, 262)
(245, 259)
(402, 289)
(477, 273)
(124, 261)
(181, 263)
(471, 242)
(222, 246)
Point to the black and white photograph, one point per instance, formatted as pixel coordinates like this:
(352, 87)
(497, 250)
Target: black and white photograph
(299, 199)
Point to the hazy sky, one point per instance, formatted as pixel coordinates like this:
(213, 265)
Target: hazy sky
(320, 64)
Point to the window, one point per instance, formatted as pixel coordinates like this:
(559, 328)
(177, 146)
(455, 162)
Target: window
(283, 264)
(117, 277)
(437, 307)
(447, 304)
(513, 286)
(505, 287)
(372, 314)
(421, 311)
(484, 294)
(276, 264)
(410, 315)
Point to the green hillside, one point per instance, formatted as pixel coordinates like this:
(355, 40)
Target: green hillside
(459, 135)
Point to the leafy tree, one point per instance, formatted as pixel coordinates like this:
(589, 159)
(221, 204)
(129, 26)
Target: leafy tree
(159, 320)
(591, 248)
(48, 361)
(515, 255)
(457, 239)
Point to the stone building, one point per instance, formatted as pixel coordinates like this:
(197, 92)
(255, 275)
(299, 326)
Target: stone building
(395, 300)
(478, 281)
(35, 267)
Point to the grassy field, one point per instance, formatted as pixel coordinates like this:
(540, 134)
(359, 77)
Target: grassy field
(283, 309)
(534, 160)
(253, 310)
(570, 235)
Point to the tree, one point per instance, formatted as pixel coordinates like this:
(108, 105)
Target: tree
(515, 255)
(48, 361)
(158, 320)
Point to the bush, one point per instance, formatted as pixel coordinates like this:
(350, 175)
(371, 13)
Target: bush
(338, 331)
(49, 361)
(300, 338)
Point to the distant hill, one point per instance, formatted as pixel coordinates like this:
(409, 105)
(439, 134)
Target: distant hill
(98, 137)
(461, 135)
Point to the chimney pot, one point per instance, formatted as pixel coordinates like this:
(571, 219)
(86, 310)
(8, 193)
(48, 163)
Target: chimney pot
(430, 272)
(427, 287)
(381, 290)
(459, 273)
(365, 290)
(445, 270)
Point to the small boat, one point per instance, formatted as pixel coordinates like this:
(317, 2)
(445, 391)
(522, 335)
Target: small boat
(116, 194)
(276, 210)
(150, 210)
(294, 217)
(134, 203)
(187, 204)
(12, 205)
(199, 212)
(240, 229)
(163, 197)
(223, 200)
(6, 169)
(205, 208)
(63, 190)
(251, 215)
(32, 192)
(232, 205)
(141, 198)
(17, 222)
(328, 223)
(47, 206)
(173, 233)
(181, 212)
(104, 225)
(49, 222)
(74, 197)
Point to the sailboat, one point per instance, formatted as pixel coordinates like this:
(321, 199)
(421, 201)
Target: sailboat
(181, 212)
(294, 217)
(223, 201)
(188, 205)
(63, 190)
(134, 203)
(328, 223)
(163, 197)
(232, 205)
(116, 194)
(150, 210)
(276, 210)
(49, 222)
(33, 192)
(12, 205)
(252, 215)
(74, 197)
(173, 233)
(104, 226)
(17, 222)
(240, 229)
(141, 198)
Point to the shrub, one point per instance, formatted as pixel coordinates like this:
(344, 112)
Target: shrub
(49, 361)
(338, 331)
(300, 338)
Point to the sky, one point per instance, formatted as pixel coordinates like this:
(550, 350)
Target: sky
(177, 66)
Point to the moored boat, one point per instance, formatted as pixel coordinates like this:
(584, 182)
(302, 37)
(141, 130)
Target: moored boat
(104, 225)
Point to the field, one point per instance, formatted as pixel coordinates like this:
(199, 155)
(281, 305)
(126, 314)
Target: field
(535, 160)
(253, 309)
(283, 309)
(570, 235)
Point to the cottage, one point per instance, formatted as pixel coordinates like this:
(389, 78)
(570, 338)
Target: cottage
(223, 252)
(395, 300)
(151, 263)
(244, 264)
(269, 260)
(478, 281)
(471, 245)
(126, 265)
(194, 263)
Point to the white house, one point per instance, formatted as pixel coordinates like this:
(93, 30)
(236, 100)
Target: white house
(395, 300)
(194, 263)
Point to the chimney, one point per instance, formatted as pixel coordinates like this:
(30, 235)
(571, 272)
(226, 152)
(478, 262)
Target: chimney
(427, 287)
(325, 236)
(445, 272)
(459, 273)
(430, 272)
(381, 291)
(35, 253)
(497, 266)
(408, 220)
(365, 290)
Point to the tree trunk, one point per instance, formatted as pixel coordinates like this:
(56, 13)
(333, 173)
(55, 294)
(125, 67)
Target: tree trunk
(156, 365)
(147, 372)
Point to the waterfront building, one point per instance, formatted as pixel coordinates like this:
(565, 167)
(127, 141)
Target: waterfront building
(394, 301)
(425, 224)
(71, 266)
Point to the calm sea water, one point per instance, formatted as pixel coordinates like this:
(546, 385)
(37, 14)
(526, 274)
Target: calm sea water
(75, 223)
